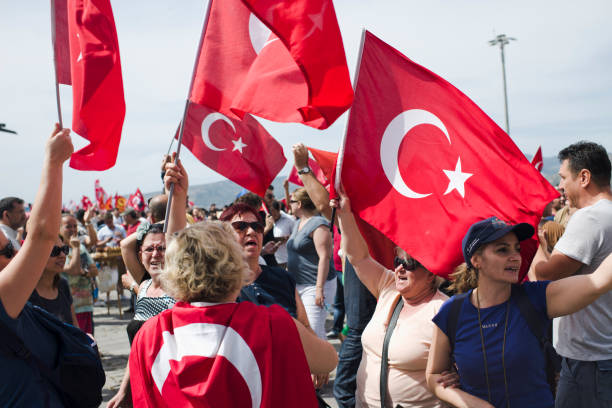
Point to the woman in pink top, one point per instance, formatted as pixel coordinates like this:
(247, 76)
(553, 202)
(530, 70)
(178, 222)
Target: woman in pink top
(409, 344)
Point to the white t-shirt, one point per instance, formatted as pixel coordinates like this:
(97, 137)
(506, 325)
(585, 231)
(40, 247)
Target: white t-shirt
(11, 235)
(587, 334)
(283, 228)
(118, 234)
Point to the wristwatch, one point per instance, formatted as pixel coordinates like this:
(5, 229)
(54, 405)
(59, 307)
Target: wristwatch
(304, 170)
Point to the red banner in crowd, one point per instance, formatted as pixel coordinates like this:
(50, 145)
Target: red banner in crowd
(289, 68)
(137, 201)
(98, 110)
(538, 161)
(86, 202)
(422, 162)
(120, 203)
(100, 195)
(216, 356)
(240, 150)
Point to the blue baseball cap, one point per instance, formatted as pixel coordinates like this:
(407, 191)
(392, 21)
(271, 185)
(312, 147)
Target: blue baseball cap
(485, 231)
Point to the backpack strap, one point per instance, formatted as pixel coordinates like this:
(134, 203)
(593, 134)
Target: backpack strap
(384, 360)
(453, 319)
(529, 313)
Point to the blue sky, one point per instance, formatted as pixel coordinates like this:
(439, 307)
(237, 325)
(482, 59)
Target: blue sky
(559, 81)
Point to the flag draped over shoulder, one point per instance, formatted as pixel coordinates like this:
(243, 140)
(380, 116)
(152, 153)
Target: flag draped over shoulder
(283, 61)
(422, 162)
(87, 57)
(226, 355)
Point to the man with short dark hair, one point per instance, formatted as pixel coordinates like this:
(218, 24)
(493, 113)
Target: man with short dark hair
(584, 338)
(157, 205)
(110, 234)
(130, 216)
(12, 217)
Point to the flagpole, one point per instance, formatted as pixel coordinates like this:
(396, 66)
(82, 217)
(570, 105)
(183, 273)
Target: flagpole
(57, 95)
(182, 125)
(340, 159)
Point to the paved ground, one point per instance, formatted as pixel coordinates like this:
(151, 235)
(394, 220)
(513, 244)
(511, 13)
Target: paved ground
(114, 346)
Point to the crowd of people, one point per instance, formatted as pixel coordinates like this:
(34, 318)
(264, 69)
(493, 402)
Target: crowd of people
(230, 304)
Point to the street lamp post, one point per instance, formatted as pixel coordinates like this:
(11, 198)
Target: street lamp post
(502, 40)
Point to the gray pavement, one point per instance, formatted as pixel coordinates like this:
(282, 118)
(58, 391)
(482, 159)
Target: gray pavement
(114, 346)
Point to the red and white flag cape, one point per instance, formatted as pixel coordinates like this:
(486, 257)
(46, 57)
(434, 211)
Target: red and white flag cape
(87, 57)
(422, 162)
(227, 355)
(538, 161)
(280, 60)
(240, 150)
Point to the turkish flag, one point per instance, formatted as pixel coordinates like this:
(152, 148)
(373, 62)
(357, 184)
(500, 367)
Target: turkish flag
(86, 202)
(240, 150)
(98, 105)
(100, 194)
(137, 201)
(538, 161)
(422, 162)
(225, 355)
(299, 74)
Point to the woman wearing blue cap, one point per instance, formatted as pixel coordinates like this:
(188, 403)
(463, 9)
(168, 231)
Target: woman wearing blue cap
(499, 359)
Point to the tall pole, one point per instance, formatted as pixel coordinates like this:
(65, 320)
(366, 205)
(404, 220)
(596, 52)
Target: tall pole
(502, 40)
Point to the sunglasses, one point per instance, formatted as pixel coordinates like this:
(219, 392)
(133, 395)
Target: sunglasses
(408, 264)
(243, 225)
(151, 249)
(59, 249)
(8, 251)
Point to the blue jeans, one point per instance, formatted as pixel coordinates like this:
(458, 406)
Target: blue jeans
(584, 384)
(359, 305)
(339, 305)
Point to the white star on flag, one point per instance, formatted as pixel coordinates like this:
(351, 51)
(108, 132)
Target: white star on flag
(456, 179)
(317, 21)
(238, 145)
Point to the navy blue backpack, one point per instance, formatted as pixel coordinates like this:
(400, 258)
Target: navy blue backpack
(77, 375)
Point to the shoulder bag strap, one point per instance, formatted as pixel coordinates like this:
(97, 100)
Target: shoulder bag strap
(529, 313)
(384, 360)
(453, 319)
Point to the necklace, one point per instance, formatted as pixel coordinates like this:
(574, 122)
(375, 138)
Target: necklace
(484, 352)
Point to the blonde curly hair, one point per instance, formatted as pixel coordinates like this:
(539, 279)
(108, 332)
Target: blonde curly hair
(204, 263)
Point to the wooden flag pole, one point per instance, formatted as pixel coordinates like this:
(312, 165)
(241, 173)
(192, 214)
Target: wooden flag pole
(181, 128)
(57, 95)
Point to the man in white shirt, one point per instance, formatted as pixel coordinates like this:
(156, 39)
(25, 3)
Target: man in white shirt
(584, 338)
(12, 217)
(110, 234)
(283, 225)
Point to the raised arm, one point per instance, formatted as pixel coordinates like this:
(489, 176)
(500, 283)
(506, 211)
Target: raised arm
(568, 295)
(130, 258)
(317, 193)
(74, 266)
(354, 246)
(20, 276)
(176, 173)
(92, 237)
(439, 362)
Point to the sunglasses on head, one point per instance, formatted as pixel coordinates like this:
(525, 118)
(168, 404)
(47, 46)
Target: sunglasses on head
(243, 225)
(59, 249)
(8, 250)
(408, 264)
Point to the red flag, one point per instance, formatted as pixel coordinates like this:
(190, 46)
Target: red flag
(98, 106)
(240, 150)
(120, 202)
(227, 355)
(422, 162)
(137, 201)
(100, 195)
(86, 202)
(298, 74)
(108, 205)
(316, 170)
(538, 161)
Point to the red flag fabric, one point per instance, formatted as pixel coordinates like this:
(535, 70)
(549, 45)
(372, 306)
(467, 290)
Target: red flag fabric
(294, 177)
(137, 201)
(227, 355)
(86, 202)
(98, 107)
(298, 74)
(326, 160)
(61, 43)
(108, 205)
(120, 202)
(100, 195)
(240, 150)
(422, 162)
(538, 161)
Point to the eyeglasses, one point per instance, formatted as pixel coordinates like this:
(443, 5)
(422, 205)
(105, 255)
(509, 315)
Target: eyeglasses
(8, 250)
(59, 249)
(293, 201)
(408, 264)
(151, 249)
(243, 225)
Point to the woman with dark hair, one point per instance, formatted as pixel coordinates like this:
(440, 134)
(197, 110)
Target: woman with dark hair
(151, 299)
(52, 292)
(499, 359)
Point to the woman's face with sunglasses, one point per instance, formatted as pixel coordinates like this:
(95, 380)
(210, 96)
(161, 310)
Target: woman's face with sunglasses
(7, 252)
(249, 234)
(57, 257)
